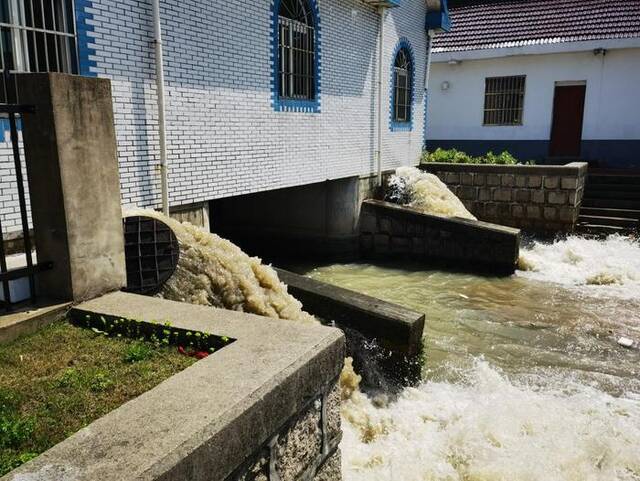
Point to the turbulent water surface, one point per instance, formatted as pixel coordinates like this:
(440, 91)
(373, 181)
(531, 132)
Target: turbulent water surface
(425, 192)
(524, 379)
(213, 271)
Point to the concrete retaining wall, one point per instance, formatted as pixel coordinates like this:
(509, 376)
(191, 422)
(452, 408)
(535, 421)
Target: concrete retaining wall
(392, 231)
(535, 198)
(263, 408)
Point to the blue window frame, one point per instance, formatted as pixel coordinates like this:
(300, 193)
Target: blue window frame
(296, 56)
(402, 87)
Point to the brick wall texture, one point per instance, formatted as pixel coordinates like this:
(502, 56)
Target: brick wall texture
(224, 136)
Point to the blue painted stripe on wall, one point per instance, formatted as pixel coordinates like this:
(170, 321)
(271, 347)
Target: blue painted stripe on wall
(86, 65)
(5, 128)
(426, 117)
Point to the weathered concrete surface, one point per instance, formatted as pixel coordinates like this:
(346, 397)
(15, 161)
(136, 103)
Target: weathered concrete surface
(310, 221)
(394, 231)
(539, 198)
(196, 214)
(395, 327)
(305, 221)
(204, 422)
(29, 320)
(14, 242)
(70, 150)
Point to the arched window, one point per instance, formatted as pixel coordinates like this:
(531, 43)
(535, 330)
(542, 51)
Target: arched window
(402, 86)
(296, 51)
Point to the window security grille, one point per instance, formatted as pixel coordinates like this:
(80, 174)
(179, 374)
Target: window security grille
(36, 36)
(504, 100)
(402, 88)
(296, 40)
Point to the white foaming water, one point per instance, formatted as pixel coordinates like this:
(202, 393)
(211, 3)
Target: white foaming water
(426, 192)
(525, 380)
(610, 267)
(487, 427)
(213, 271)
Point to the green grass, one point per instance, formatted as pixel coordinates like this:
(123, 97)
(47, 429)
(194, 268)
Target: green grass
(62, 378)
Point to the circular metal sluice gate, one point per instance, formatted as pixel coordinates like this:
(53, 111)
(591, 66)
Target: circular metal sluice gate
(151, 252)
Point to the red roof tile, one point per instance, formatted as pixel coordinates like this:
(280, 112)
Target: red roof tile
(483, 24)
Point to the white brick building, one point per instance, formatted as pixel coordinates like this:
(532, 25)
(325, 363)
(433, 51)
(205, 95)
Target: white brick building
(230, 129)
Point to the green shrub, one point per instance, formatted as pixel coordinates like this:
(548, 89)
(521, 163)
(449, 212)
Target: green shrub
(15, 430)
(454, 156)
(100, 382)
(137, 352)
(10, 460)
(9, 400)
(69, 378)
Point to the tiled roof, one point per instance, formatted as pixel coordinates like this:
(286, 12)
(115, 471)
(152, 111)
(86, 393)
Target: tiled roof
(485, 24)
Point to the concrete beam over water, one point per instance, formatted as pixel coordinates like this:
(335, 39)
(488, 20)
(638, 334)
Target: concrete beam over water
(395, 327)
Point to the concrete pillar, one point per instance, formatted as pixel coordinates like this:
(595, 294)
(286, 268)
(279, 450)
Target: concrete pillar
(70, 150)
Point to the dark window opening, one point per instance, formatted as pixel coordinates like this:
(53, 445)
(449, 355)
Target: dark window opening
(402, 87)
(36, 36)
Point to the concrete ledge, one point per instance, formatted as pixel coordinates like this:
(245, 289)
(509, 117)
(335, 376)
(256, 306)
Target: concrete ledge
(209, 420)
(390, 231)
(395, 327)
(29, 320)
(572, 168)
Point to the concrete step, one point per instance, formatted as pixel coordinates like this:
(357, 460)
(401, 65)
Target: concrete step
(605, 212)
(600, 229)
(630, 179)
(622, 188)
(589, 201)
(609, 221)
(620, 194)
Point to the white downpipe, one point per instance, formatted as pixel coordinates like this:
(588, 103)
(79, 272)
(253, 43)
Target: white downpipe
(427, 74)
(428, 68)
(164, 175)
(381, 11)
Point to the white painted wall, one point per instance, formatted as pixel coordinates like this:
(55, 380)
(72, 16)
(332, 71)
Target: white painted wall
(612, 105)
(224, 136)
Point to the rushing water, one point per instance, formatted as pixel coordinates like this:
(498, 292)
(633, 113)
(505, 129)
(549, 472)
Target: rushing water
(524, 379)
(213, 271)
(424, 192)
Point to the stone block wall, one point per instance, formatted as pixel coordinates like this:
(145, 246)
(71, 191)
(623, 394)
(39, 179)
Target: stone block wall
(535, 198)
(390, 231)
(306, 449)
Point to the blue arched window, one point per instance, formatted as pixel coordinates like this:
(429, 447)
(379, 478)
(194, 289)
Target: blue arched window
(402, 87)
(297, 53)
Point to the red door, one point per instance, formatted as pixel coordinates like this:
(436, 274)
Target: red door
(568, 112)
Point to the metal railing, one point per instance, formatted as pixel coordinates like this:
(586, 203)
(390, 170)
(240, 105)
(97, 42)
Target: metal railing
(7, 275)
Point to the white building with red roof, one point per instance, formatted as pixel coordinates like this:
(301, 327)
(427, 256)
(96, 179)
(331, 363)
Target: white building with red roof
(545, 80)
